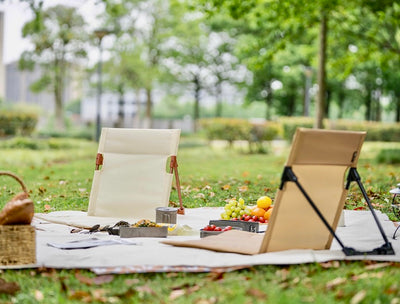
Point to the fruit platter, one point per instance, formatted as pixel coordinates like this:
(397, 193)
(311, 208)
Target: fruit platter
(237, 215)
(237, 210)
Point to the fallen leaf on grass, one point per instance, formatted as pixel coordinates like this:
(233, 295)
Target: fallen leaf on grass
(81, 295)
(358, 297)
(10, 288)
(391, 290)
(225, 187)
(283, 273)
(243, 188)
(47, 272)
(256, 293)
(131, 282)
(39, 295)
(330, 264)
(176, 294)
(366, 275)
(181, 290)
(98, 280)
(47, 207)
(212, 300)
(146, 289)
(200, 196)
(215, 276)
(378, 265)
(334, 283)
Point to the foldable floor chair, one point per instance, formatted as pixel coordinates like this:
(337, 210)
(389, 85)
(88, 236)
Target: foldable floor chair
(131, 178)
(309, 201)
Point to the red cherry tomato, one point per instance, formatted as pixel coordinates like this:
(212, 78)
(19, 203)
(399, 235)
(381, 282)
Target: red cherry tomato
(261, 219)
(218, 229)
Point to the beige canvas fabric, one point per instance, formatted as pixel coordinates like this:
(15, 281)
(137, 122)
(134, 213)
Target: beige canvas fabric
(133, 180)
(320, 160)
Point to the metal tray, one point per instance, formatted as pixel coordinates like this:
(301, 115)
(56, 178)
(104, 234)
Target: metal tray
(204, 233)
(239, 225)
(131, 232)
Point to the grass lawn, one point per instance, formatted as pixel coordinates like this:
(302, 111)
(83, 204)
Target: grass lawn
(60, 179)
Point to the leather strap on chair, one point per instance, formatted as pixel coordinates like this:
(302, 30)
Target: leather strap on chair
(99, 160)
(174, 169)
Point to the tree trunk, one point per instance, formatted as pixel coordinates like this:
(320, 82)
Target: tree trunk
(121, 114)
(306, 106)
(328, 99)
(137, 118)
(378, 108)
(397, 100)
(320, 108)
(196, 113)
(268, 101)
(58, 95)
(218, 106)
(149, 104)
(368, 104)
(341, 95)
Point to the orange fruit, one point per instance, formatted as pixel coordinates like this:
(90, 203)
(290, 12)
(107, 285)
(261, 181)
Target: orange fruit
(267, 213)
(258, 211)
(264, 202)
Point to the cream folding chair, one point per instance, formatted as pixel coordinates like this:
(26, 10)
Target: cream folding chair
(131, 178)
(309, 201)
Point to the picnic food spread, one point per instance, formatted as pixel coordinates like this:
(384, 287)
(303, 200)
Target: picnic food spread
(237, 210)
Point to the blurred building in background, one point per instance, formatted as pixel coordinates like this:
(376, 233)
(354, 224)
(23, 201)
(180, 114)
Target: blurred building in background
(2, 72)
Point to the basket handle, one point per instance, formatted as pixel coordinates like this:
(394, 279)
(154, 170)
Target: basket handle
(15, 177)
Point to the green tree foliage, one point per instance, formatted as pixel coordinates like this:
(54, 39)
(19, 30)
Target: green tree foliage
(58, 38)
(148, 25)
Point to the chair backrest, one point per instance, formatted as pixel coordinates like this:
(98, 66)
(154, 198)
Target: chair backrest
(133, 179)
(319, 159)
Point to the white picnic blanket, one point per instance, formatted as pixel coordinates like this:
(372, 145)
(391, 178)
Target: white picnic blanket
(150, 255)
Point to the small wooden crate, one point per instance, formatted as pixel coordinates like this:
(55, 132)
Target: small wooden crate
(17, 245)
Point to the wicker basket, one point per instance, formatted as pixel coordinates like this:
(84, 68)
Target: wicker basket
(17, 242)
(17, 245)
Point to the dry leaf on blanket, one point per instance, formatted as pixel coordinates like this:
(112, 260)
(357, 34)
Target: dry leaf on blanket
(10, 288)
